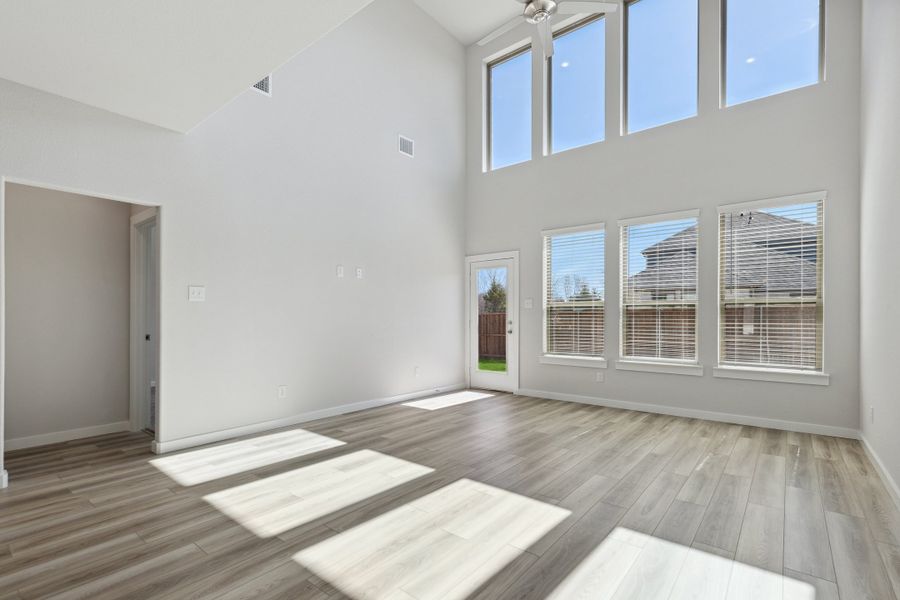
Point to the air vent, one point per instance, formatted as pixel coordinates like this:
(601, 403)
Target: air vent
(407, 147)
(264, 86)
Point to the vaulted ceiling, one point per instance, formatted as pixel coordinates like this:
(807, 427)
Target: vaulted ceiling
(471, 20)
(171, 63)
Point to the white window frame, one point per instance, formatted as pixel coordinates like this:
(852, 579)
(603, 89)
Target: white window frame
(723, 58)
(546, 358)
(489, 64)
(763, 373)
(565, 29)
(625, 45)
(651, 365)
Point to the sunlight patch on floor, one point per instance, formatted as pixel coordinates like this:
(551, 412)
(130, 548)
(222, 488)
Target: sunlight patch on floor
(209, 464)
(443, 545)
(630, 565)
(448, 400)
(279, 503)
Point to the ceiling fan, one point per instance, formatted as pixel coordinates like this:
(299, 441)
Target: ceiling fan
(539, 13)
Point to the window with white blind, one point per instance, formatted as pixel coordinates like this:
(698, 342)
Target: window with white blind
(770, 290)
(574, 262)
(659, 288)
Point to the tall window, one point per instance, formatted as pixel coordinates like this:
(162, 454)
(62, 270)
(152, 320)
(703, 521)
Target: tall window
(770, 296)
(659, 288)
(574, 262)
(577, 86)
(772, 46)
(661, 62)
(509, 118)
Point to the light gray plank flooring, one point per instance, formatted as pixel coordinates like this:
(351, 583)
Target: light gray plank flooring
(504, 497)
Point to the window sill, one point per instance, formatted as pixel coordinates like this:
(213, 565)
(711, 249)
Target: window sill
(774, 375)
(573, 361)
(660, 367)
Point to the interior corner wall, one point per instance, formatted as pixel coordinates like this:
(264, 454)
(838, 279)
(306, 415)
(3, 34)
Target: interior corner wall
(801, 141)
(265, 198)
(880, 261)
(67, 303)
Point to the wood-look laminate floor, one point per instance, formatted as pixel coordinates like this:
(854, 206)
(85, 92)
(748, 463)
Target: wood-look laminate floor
(493, 497)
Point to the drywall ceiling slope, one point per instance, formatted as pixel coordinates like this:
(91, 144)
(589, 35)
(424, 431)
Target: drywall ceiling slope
(170, 63)
(470, 20)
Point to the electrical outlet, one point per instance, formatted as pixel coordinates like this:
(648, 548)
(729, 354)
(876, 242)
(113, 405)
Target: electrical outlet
(196, 293)
(282, 392)
(359, 273)
(601, 376)
(417, 371)
(340, 271)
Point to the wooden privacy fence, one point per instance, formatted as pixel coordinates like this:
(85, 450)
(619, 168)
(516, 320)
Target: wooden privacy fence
(492, 335)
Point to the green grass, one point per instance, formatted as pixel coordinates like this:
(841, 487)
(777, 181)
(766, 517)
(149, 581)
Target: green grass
(492, 364)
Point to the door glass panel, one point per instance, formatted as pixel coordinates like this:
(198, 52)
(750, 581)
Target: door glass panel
(492, 320)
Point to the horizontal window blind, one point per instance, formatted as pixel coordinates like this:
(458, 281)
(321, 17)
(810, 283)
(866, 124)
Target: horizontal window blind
(770, 297)
(659, 290)
(574, 265)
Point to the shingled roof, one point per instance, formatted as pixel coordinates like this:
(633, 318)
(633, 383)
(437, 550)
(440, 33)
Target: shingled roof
(771, 254)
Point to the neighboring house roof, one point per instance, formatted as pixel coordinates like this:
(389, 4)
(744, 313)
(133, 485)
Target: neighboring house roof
(771, 254)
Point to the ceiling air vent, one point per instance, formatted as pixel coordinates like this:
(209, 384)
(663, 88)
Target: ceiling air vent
(407, 147)
(264, 86)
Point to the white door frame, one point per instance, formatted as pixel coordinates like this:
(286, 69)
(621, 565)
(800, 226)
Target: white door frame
(138, 359)
(512, 309)
(4, 179)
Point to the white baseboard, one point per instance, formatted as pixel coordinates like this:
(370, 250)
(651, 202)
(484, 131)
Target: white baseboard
(4, 479)
(65, 436)
(892, 486)
(845, 432)
(226, 434)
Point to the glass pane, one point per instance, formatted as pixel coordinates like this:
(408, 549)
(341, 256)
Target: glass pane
(772, 47)
(662, 62)
(771, 297)
(575, 293)
(659, 290)
(578, 103)
(510, 85)
(492, 319)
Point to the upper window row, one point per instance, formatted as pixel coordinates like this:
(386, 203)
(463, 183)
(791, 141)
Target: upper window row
(770, 46)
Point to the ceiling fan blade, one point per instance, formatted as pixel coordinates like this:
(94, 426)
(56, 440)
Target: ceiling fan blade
(505, 28)
(545, 34)
(577, 8)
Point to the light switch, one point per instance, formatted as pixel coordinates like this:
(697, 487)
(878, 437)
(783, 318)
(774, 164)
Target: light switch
(197, 293)
(529, 303)
(359, 273)
(340, 271)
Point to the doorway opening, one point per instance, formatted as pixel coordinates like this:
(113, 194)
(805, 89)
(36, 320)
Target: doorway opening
(79, 286)
(145, 321)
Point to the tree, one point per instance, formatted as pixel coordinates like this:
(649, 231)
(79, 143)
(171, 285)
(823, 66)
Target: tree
(495, 297)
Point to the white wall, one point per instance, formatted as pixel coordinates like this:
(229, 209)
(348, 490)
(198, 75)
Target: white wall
(802, 141)
(880, 286)
(265, 198)
(67, 303)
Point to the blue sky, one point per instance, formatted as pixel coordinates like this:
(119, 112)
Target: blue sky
(486, 276)
(576, 255)
(579, 94)
(773, 46)
(662, 62)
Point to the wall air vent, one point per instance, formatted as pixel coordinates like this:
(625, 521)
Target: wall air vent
(407, 147)
(264, 86)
